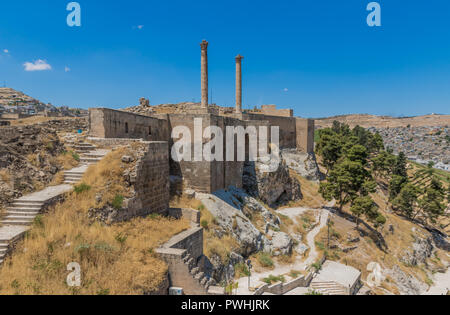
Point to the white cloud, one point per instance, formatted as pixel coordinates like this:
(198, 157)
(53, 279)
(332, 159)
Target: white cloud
(38, 65)
(286, 90)
(140, 27)
(66, 69)
(6, 51)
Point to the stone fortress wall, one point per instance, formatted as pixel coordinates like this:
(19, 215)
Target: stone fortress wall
(201, 176)
(204, 176)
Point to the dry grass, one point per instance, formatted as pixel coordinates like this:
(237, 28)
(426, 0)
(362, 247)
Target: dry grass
(36, 120)
(311, 197)
(117, 259)
(68, 160)
(5, 176)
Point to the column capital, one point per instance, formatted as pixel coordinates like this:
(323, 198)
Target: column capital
(204, 45)
(239, 58)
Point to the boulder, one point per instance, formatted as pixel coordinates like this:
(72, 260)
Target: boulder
(281, 244)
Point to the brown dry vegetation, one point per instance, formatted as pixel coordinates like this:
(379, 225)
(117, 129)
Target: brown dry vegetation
(116, 259)
(311, 197)
(36, 120)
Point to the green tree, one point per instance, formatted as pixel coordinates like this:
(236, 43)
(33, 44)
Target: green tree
(400, 166)
(395, 186)
(433, 202)
(329, 148)
(346, 181)
(364, 206)
(407, 199)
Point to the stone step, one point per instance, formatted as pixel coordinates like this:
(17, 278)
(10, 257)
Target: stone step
(73, 178)
(70, 182)
(195, 271)
(19, 217)
(79, 175)
(22, 213)
(4, 242)
(24, 209)
(90, 160)
(3, 251)
(17, 222)
(93, 155)
(28, 203)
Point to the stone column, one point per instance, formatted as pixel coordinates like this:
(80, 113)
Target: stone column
(204, 46)
(239, 84)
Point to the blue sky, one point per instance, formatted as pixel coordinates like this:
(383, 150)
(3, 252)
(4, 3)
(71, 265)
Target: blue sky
(318, 57)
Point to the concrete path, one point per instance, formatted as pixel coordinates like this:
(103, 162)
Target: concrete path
(298, 265)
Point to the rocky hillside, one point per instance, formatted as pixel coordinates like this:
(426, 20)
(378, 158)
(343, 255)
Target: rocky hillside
(32, 156)
(367, 121)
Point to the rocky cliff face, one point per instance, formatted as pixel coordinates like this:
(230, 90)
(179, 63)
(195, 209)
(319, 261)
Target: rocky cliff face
(273, 188)
(304, 164)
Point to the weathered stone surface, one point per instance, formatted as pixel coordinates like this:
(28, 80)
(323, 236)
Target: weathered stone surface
(148, 184)
(406, 284)
(421, 250)
(226, 209)
(273, 188)
(281, 244)
(304, 164)
(27, 159)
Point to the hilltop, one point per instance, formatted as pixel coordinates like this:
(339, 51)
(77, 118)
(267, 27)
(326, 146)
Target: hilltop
(367, 121)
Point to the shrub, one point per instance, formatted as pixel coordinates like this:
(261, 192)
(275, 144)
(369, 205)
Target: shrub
(272, 279)
(317, 266)
(38, 221)
(241, 270)
(205, 224)
(81, 188)
(117, 202)
(265, 260)
(121, 238)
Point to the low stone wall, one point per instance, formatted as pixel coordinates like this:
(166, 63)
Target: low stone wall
(283, 288)
(191, 241)
(181, 254)
(189, 214)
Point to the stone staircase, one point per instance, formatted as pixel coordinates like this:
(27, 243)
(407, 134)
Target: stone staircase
(89, 154)
(75, 175)
(328, 288)
(196, 274)
(21, 214)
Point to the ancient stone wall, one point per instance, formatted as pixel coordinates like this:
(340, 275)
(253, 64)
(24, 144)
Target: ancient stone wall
(271, 110)
(108, 123)
(286, 124)
(151, 181)
(202, 176)
(305, 135)
(181, 253)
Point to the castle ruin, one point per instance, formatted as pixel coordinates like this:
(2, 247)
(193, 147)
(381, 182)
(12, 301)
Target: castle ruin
(204, 176)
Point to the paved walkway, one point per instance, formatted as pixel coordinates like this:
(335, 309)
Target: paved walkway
(298, 265)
